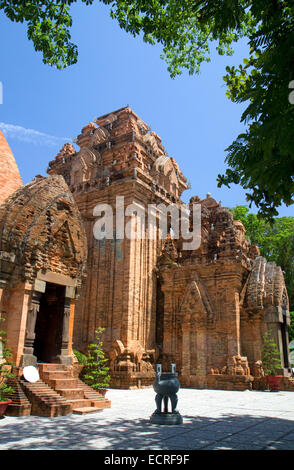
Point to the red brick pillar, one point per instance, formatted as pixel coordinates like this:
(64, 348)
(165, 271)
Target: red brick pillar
(19, 302)
(233, 325)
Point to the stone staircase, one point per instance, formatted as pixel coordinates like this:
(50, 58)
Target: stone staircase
(57, 393)
(44, 400)
(20, 405)
(81, 398)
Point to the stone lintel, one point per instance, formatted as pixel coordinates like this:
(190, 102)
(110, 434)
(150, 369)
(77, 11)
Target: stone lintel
(55, 278)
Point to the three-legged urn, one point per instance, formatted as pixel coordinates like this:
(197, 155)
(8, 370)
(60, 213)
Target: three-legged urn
(166, 386)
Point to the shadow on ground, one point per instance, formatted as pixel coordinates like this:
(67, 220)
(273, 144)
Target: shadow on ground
(87, 433)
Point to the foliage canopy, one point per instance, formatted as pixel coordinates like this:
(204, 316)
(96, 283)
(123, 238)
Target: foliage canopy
(261, 159)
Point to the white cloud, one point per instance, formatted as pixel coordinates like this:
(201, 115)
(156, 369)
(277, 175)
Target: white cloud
(31, 136)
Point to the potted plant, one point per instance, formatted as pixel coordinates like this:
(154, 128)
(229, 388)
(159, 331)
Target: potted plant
(5, 373)
(95, 372)
(271, 362)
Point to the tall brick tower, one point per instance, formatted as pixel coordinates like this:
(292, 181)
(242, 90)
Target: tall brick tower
(10, 179)
(120, 157)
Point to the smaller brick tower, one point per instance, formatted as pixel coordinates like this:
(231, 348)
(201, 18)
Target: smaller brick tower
(10, 179)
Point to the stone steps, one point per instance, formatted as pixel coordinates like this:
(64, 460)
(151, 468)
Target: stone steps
(77, 394)
(86, 410)
(56, 374)
(83, 403)
(44, 400)
(97, 400)
(52, 367)
(60, 383)
(57, 393)
(20, 405)
(71, 393)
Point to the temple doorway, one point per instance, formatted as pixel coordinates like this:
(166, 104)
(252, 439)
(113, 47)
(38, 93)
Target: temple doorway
(49, 324)
(285, 342)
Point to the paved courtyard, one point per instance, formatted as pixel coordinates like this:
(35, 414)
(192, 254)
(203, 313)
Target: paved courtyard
(213, 419)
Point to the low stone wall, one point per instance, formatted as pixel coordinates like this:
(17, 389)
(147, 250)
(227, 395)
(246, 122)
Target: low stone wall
(287, 384)
(211, 381)
(229, 382)
(131, 381)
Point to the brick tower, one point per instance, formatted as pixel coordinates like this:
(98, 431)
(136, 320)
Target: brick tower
(10, 179)
(120, 157)
(204, 308)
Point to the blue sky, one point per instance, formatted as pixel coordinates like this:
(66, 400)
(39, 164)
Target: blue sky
(43, 107)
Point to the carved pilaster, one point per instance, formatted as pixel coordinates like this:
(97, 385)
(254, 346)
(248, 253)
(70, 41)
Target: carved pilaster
(3, 286)
(65, 356)
(28, 357)
(65, 326)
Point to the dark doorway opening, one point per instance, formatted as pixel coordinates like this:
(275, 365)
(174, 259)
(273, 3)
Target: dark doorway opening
(49, 324)
(285, 341)
(284, 331)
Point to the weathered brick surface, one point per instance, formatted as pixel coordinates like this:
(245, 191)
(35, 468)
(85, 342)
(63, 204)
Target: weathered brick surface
(205, 309)
(202, 309)
(218, 302)
(20, 405)
(77, 394)
(10, 179)
(41, 228)
(227, 382)
(44, 400)
(42, 241)
(120, 157)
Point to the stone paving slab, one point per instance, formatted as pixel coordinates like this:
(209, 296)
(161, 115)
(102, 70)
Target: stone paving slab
(212, 419)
